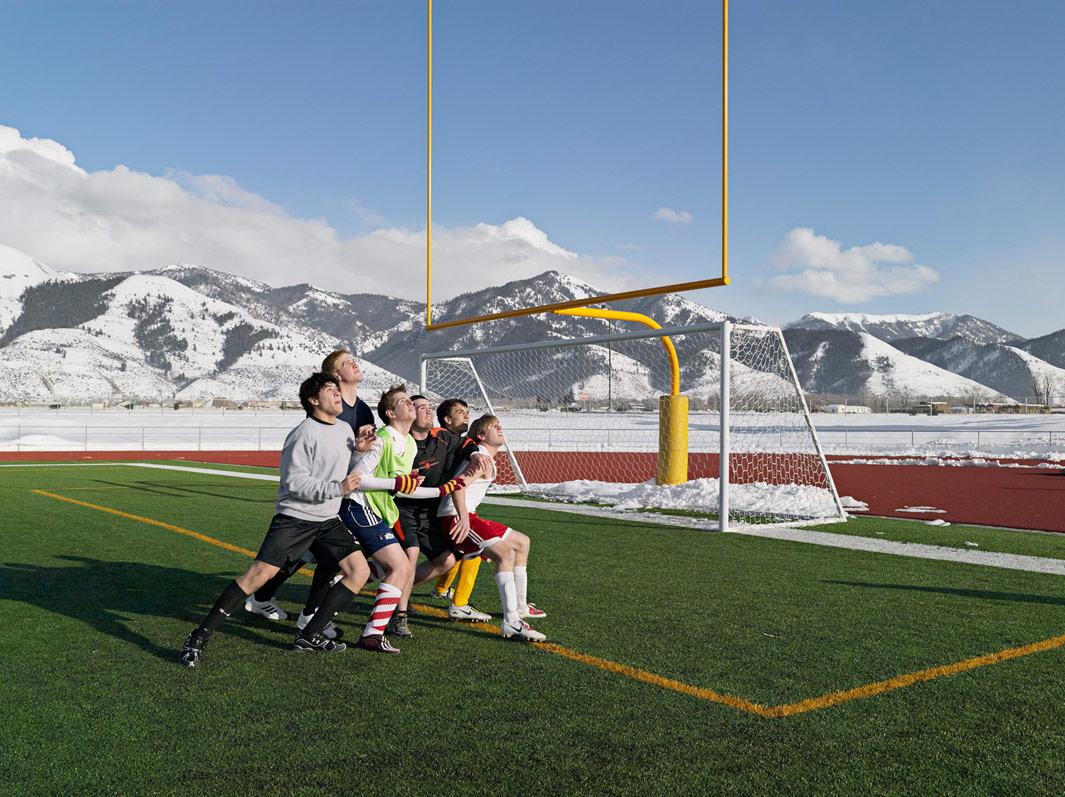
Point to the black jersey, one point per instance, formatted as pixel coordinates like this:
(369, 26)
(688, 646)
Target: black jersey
(358, 414)
(438, 456)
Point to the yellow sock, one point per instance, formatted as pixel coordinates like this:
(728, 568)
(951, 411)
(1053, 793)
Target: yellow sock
(467, 578)
(443, 584)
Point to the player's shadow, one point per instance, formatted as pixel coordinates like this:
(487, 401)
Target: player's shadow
(981, 594)
(104, 594)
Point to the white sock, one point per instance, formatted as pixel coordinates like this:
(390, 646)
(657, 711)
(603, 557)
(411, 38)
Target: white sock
(521, 587)
(508, 596)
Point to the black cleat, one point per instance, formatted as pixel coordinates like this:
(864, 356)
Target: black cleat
(397, 627)
(192, 653)
(318, 643)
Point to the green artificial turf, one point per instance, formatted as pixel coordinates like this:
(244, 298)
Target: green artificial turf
(94, 608)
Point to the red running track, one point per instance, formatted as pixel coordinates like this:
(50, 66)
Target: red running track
(1031, 497)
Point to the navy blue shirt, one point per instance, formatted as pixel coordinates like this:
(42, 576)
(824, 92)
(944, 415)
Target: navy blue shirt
(358, 415)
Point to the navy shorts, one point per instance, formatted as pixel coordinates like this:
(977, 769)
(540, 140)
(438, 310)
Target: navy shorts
(372, 533)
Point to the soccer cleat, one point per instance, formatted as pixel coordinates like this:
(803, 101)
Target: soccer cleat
(446, 595)
(412, 612)
(467, 613)
(268, 609)
(192, 653)
(397, 627)
(377, 644)
(521, 631)
(329, 631)
(533, 613)
(317, 644)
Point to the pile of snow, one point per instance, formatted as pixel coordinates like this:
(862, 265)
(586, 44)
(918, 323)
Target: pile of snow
(698, 495)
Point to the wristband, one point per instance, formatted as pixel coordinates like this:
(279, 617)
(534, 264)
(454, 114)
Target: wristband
(407, 483)
(447, 488)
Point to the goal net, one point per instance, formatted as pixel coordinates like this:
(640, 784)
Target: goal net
(585, 422)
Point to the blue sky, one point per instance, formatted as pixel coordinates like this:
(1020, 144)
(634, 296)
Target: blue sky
(932, 129)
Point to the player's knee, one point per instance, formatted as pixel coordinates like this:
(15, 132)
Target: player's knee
(520, 541)
(355, 568)
(257, 576)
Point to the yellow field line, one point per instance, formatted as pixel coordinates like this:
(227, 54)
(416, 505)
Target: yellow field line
(911, 678)
(636, 674)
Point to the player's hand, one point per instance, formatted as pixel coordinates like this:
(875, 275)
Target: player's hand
(364, 438)
(461, 530)
(350, 483)
(481, 467)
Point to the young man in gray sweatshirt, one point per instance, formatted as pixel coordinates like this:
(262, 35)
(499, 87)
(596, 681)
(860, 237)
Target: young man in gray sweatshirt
(315, 464)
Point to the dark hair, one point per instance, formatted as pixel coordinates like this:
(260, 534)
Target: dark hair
(312, 386)
(446, 406)
(417, 396)
(478, 427)
(388, 401)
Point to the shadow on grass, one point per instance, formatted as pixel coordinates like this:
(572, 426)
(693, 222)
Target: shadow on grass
(980, 594)
(103, 594)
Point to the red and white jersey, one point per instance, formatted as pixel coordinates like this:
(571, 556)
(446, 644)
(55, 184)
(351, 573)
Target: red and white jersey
(474, 492)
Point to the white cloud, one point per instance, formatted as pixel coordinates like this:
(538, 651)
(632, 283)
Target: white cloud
(672, 216)
(121, 219)
(629, 247)
(822, 267)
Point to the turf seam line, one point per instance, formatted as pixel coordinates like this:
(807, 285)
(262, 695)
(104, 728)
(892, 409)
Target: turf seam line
(781, 711)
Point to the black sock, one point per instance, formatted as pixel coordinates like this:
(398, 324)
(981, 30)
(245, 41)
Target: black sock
(267, 591)
(336, 599)
(232, 596)
(323, 574)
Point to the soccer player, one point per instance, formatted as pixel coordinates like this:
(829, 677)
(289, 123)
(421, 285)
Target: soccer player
(315, 463)
(454, 415)
(358, 414)
(372, 516)
(506, 547)
(439, 453)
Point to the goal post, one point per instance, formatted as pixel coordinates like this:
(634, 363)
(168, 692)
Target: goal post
(582, 421)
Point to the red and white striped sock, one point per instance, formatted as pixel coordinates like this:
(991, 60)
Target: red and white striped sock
(384, 604)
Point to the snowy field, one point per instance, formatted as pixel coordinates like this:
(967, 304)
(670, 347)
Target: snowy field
(978, 436)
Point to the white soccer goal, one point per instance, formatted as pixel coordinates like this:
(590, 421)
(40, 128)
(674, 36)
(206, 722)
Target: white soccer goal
(582, 421)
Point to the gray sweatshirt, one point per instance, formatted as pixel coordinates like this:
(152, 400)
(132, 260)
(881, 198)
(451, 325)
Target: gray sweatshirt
(314, 461)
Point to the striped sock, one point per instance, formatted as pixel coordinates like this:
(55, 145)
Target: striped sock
(384, 604)
(507, 595)
(521, 587)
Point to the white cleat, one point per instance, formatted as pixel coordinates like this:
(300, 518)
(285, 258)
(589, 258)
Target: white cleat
(268, 609)
(467, 613)
(330, 631)
(521, 631)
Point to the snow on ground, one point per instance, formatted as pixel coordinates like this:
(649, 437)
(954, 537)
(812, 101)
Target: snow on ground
(699, 495)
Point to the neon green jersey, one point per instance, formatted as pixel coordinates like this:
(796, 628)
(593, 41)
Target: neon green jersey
(391, 464)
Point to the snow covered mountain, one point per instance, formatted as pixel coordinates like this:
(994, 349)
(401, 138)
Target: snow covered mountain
(1050, 348)
(847, 363)
(895, 327)
(1008, 369)
(17, 273)
(190, 332)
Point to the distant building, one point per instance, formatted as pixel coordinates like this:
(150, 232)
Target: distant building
(847, 409)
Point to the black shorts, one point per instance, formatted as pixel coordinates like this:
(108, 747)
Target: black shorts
(288, 538)
(419, 522)
(407, 525)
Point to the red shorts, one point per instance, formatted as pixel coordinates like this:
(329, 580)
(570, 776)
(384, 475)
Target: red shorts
(483, 534)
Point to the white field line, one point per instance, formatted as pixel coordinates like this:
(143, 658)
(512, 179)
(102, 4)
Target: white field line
(1031, 564)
